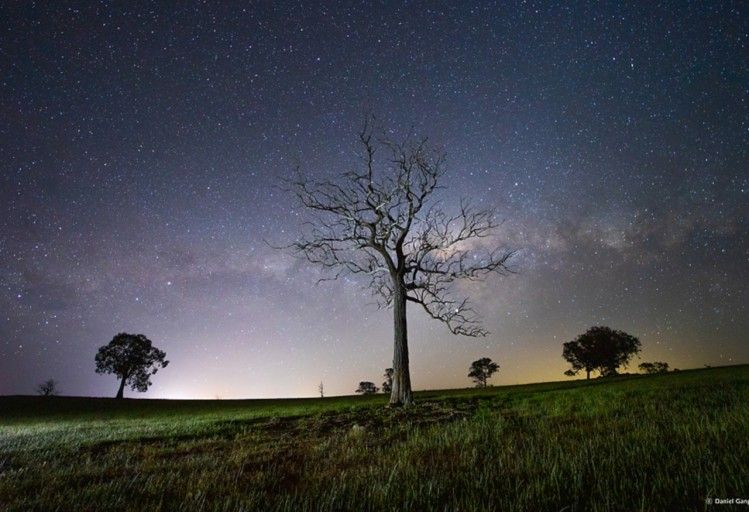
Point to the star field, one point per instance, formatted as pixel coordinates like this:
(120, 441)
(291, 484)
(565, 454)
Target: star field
(141, 147)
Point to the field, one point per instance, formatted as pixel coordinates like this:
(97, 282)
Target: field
(663, 442)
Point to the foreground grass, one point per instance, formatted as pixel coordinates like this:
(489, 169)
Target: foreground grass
(638, 443)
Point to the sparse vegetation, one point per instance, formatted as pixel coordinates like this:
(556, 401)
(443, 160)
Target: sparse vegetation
(664, 442)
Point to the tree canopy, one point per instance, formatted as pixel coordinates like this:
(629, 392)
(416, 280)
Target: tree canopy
(654, 367)
(133, 359)
(367, 388)
(481, 371)
(602, 349)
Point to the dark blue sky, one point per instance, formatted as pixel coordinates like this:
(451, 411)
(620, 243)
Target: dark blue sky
(140, 145)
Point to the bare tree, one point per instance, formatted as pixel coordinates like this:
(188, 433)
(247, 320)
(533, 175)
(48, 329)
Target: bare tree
(321, 389)
(48, 388)
(385, 226)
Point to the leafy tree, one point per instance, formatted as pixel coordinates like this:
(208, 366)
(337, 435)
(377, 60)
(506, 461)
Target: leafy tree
(580, 353)
(387, 386)
(380, 221)
(132, 358)
(655, 367)
(367, 388)
(48, 388)
(602, 349)
(481, 370)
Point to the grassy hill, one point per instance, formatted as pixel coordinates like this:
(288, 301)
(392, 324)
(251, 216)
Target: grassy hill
(664, 442)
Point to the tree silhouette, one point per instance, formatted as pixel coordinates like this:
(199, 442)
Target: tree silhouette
(321, 389)
(655, 367)
(132, 358)
(48, 388)
(387, 386)
(481, 370)
(379, 222)
(600, 348)
(367, 388)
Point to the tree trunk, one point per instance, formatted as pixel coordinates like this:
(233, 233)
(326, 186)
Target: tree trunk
(400, 394)
(588, 373)
(121, 391)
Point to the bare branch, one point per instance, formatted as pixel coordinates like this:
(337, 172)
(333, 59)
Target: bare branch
(375, 222)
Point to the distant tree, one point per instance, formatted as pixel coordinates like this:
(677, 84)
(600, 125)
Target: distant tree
(132, 358)
(387, 386)
(367, 388)
(481, 370)
(580, 353)
(654, 367)
(321, 390)
(382, 222)
(647, 368)
(608, 371)
(47, 388)
(602, 349)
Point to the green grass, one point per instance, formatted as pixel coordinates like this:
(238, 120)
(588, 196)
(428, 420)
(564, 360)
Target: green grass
(630, 443)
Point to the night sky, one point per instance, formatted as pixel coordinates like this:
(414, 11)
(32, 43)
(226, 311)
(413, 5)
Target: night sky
(141, 146)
